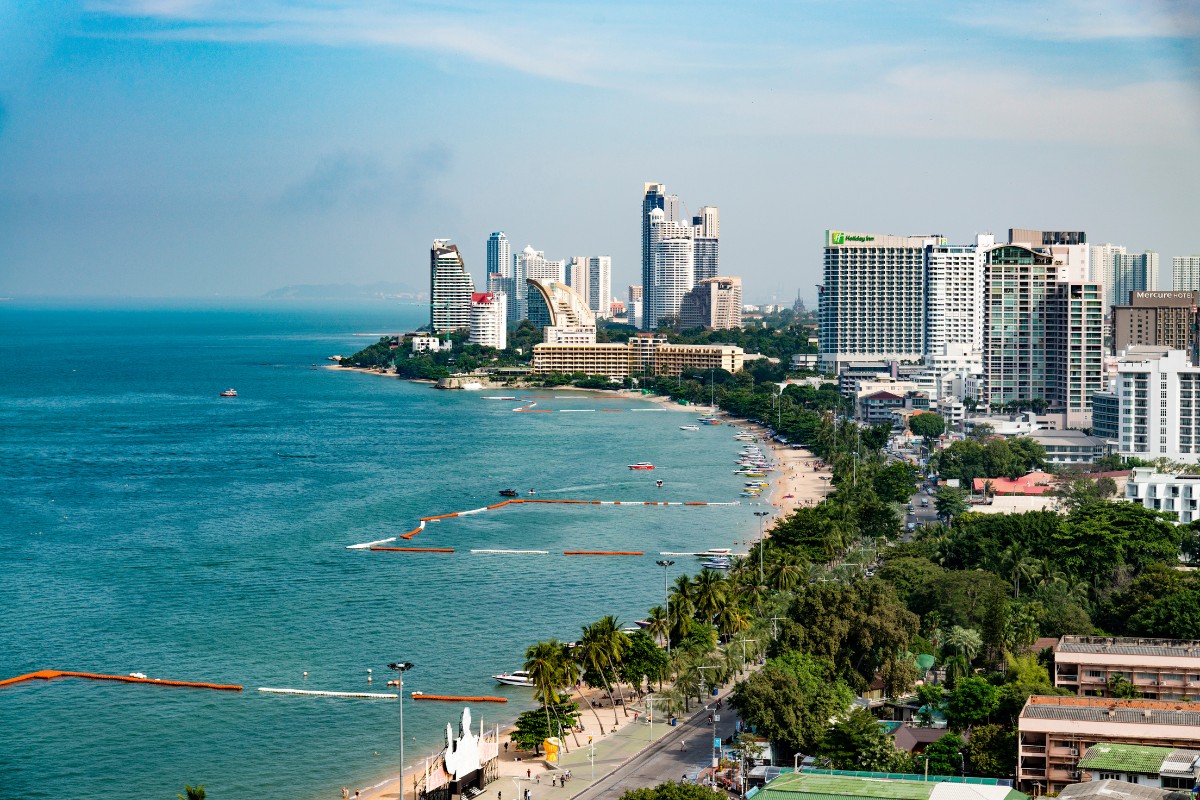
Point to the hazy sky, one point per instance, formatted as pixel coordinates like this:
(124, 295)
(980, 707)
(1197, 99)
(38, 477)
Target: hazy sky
(200, 147)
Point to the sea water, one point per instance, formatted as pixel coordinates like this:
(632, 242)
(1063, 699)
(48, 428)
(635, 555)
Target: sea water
(148, 525)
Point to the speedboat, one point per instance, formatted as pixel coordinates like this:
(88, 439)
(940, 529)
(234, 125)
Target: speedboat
(689, 427)
(518, 678)
(642, 465)
(709, 420)
(229, 393)
(716, 552)
(508, 492)
(716, 563)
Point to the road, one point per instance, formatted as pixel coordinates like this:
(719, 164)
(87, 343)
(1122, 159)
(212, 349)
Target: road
(664, 760)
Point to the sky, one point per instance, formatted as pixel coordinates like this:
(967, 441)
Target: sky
(194, 148)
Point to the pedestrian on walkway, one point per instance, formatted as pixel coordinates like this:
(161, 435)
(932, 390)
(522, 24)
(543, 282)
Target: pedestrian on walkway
(683, 744)
(528, 774)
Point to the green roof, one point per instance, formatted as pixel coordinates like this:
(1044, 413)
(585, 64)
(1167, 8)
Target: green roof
(1125, 758)
(785, 787)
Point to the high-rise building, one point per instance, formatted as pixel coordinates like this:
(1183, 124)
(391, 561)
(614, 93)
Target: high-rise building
(954, 294)
(577, 276)
(1068, 249)
(871, 306)
(654, 197)
(1043, 336)
(1131, 273)
(489, 319)
(1185, 273)
(673, 272)
(560, 312)
(634, 293)
(530, 263)
(706, 240)
(499, 255)
(1100, 268)
(1158, 319)
(713, 303)
(1159, 391)
(508, 285)
(595, 283)
(450, 289)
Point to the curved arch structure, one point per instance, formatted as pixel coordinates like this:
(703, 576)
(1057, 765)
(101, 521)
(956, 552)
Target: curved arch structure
(560, 312)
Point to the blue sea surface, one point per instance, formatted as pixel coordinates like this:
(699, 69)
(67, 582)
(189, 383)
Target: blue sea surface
(147, 525)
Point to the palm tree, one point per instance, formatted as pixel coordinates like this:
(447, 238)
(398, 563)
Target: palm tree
(616, 644)
(660, 625)
(546, 663)
(679, 613)
(964, 642)
(593, 654)
(731, 620)
(192, 793)
(789, 569)
(709, 594)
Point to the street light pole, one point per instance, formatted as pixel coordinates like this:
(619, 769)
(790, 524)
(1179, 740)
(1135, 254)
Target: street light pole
(401, 667)
(665, 565)
(760, 515)
(824, 488)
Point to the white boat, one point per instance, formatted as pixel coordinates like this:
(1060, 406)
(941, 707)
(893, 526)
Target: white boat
(716, 552)
(229, 393)
(689, 427)
(518, 678)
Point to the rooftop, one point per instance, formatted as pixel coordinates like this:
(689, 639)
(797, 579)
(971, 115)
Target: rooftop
(1107, 709)
(1112, 790)
(1129, 646)
(1142, 759)
(828, 784)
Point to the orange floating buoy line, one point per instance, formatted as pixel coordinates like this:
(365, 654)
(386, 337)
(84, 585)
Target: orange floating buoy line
(603, 553)
(416, 549)
(455, 698)
(49, 674)
(376, 545)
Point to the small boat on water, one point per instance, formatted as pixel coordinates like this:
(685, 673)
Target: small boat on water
(716, 552)
(642, 465)
(709, 420)
(689, 427)
(508, 492)
(716, 563)
(498, 397)
(229, 393)
(518, 678)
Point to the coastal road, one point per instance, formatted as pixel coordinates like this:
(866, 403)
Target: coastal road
(664, 760)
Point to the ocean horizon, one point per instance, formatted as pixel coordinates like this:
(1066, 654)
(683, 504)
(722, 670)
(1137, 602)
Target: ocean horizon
(152, 526)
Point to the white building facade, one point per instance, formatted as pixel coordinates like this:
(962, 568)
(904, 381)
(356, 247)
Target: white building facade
(450, 289)
(489, 320)
(1159, 395)
(673, 274)
(1158, 491)
(1185, 273)
(533, 264)
(954, 295)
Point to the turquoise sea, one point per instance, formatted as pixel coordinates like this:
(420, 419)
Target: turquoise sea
(147, 525)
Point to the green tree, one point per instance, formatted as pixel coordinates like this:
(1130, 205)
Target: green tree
(895, 482)
(981, 431)
(674, 791)
(950, 502)
(857, 742)
(945, 756)
(791, 700)
(927, 425)
(1119, 686)
(992, 751)
(549, 669)
(931, 698)
(971, 702)
(644, 660)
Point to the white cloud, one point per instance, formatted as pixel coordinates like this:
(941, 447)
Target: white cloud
(1085, 20)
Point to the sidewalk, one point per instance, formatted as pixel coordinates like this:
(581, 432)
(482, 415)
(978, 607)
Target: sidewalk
(610, 753)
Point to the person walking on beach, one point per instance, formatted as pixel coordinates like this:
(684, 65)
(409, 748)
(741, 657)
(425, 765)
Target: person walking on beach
(345, 793)
(683, 744)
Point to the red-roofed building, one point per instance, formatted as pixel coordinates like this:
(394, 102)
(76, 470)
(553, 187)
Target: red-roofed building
(1035, 483)
(489, 323)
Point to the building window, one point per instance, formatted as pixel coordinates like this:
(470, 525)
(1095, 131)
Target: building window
(1112, 776)
(1171, 782)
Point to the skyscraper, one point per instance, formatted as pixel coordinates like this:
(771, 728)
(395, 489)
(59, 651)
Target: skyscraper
(577, 276)
(954, 294)
(450, 289)
(871, 306)
(706, 236)
(591, 278)
(1185, 273)
(499, 255)
(1131, 273)
(532, 263)
(1100, 270)
(654, 197)
(673, 272)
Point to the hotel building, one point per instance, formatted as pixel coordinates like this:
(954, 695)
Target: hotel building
(591, 278)
(533, 264)
(1158, 319)
(871, 306)
(706, 240)
(1054, 732)
(560, 312)
(672, 259)
(489, 320)
(450, 289)
(713, 303)
(644, 354)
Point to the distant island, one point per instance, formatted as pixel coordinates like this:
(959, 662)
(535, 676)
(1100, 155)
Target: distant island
(383, 290)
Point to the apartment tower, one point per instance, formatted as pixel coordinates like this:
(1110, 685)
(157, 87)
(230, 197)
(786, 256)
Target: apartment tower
(450, 289)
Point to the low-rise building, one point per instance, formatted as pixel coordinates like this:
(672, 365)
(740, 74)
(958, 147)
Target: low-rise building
(1070, 446)
(1160, 491)
(1054, 732)
(1116, 790)
(1158, 767)
(1159, 391)
(430, 344)
(1164, 669)
(644, 354)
